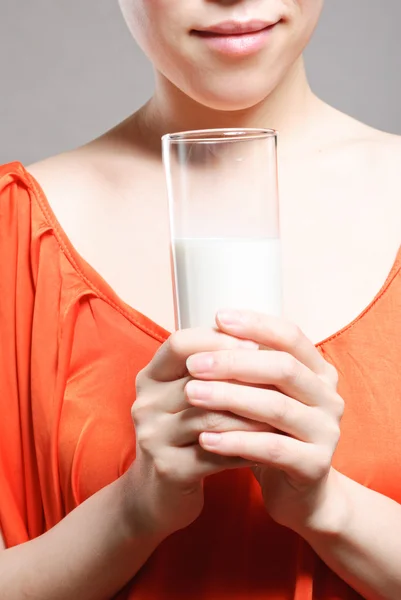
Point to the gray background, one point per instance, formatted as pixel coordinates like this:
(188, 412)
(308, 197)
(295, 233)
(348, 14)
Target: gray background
(70, 70)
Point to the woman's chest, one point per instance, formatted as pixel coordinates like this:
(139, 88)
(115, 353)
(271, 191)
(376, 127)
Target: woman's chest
(339, 237)
(95, 443)
(367, 356)
(341, 232)
(93, 389)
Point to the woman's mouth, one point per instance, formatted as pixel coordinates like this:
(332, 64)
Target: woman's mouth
(235, 38)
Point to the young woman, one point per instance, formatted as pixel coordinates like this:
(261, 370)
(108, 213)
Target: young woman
(169, 504)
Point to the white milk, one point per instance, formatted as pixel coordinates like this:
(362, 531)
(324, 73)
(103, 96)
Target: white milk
(225, 273)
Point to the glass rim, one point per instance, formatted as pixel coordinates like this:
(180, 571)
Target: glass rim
(223, 134)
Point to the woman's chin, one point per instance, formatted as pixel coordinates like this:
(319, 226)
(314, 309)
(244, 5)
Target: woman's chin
(233, 100)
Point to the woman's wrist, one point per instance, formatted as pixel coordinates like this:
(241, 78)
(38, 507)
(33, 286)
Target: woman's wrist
(331, 515)
(136, 519)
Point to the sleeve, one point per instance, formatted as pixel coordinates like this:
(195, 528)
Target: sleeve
(20, 500)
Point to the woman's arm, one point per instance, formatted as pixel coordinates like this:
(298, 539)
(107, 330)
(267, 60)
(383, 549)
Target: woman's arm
(89, 555)
(356, 531)
(358, 535)
(94, 551)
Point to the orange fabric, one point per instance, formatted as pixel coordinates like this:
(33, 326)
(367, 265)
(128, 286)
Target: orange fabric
(70, 349)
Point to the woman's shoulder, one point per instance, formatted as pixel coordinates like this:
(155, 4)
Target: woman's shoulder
(14, 183)
(67, 180)
(31, 247)
(377, 155)
(357, 157)
(20, 205)
(35, 255)
(32, 186)
(82, 187)
(362, 140)
(88, 175)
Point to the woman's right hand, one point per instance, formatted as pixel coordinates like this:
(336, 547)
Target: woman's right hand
(166, 477)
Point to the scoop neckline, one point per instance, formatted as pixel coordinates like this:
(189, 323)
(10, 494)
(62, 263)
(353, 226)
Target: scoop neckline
(100, 286)
(85, 271)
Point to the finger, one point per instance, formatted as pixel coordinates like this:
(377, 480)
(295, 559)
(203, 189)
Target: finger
(302, 462)
(192, 464)
(169, 362)
(277, 334)
(268, 368)
(187, 426)
(165, 398)
(258, 405)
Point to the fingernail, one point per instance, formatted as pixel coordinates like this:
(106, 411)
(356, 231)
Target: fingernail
(210, 440)
(199, 390)
(229, 317)
(200, 363)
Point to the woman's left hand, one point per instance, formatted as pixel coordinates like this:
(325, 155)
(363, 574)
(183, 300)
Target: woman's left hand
(291, 389)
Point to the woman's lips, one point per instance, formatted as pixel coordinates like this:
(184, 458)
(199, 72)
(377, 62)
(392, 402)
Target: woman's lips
(235, 38)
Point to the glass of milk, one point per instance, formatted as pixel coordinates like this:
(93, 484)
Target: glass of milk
(224, 222)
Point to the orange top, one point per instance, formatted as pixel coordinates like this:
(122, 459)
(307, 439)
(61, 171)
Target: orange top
(70, 349)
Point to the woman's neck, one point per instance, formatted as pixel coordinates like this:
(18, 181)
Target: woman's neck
(288, 109)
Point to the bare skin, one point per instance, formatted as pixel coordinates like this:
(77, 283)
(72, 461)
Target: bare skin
(339, 180)
(340, 223)
(348, 166)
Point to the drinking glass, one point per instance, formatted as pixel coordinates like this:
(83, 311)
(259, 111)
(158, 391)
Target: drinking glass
(224, 222)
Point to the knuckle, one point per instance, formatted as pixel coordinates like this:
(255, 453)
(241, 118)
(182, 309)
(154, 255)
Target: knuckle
(322, 463)
(184, 475)
(332, 375)
(177, 342)
(142, 412)
(228, 362)
(140, 409)
(140, 380)
(281, 409)
(214, 421)
(333, 432)
(290, 369)
(173, 471)
(163, 467)
(276, 449)
(294, 335)
(136, 412)
(145, 436)
(338, 407)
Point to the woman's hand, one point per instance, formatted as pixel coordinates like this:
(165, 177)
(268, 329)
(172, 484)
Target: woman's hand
(165, 481)
(291, 390)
